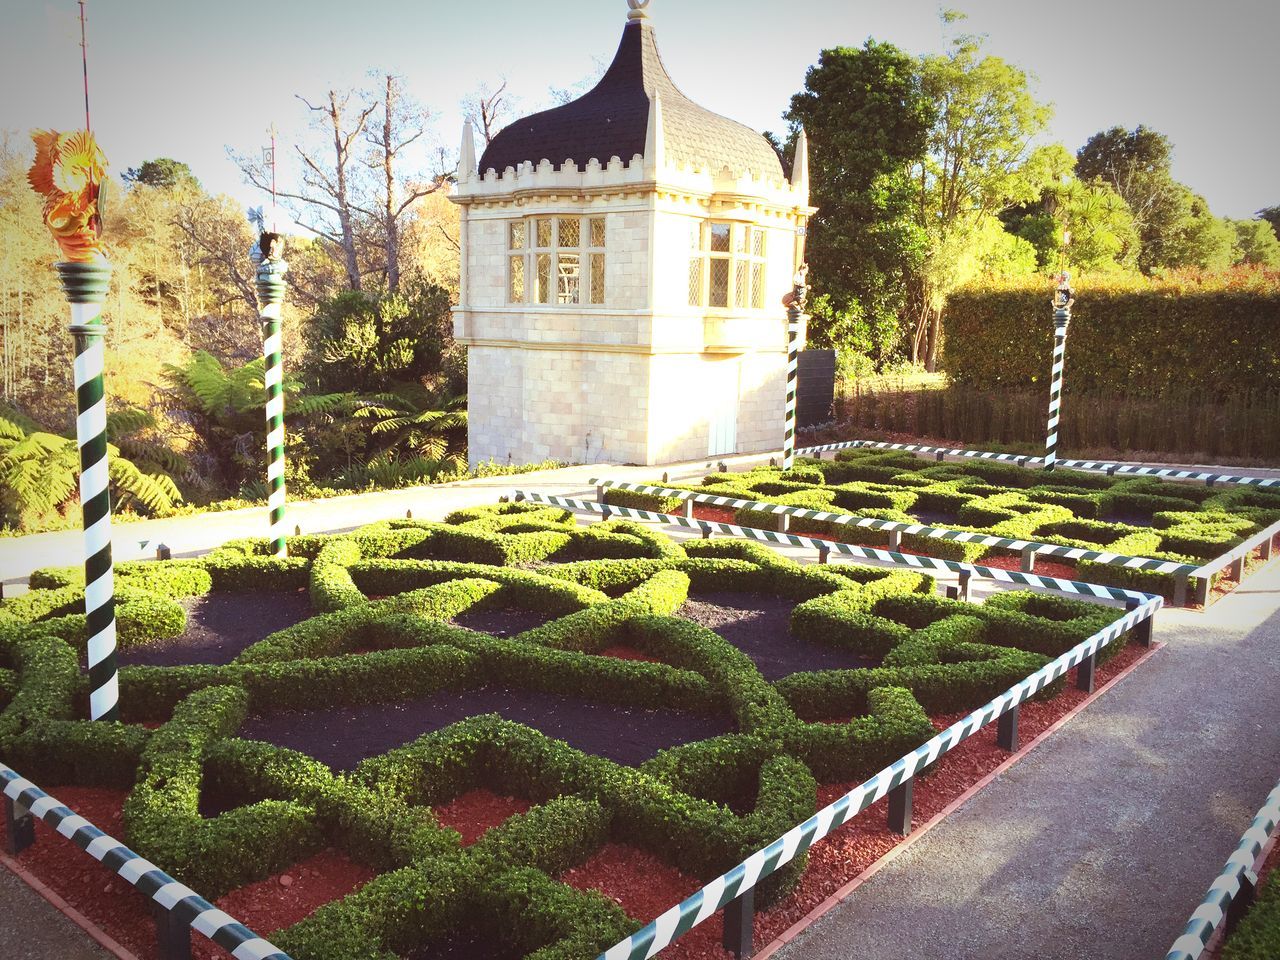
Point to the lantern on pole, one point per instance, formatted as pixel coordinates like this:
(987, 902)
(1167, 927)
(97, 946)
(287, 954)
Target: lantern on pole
(794, 302)
(270, 269)
(1063, 298)
(68, 173)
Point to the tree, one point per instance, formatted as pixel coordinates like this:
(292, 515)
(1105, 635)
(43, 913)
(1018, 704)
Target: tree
(1272, 216)
(401, 125)
(1103, 235)
(979, 162)
(163, 172)
(221, 408)
(489, 109)
(39, 470)
(324, 203)
(866, 119)
(364, 343)
(1201, 240)
(1257, 243)
(1136, 163)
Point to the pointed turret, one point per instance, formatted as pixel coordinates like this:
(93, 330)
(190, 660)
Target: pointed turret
(467, 155)
(800, 169)
(654, 141)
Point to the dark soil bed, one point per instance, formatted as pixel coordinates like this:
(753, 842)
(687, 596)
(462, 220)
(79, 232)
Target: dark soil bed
(474, 944)
(343, 736)
(760, 626)
(221, 625)
(501, 623)
(934, 518)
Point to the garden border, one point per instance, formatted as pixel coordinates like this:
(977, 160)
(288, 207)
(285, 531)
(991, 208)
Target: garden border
(734, 890)
(178, 908)
(826, 547)
(1146, 564)
(1232, 890)
(1182, 573)
(1109, 467)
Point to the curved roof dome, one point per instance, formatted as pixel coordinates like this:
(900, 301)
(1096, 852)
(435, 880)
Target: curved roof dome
(611, 120)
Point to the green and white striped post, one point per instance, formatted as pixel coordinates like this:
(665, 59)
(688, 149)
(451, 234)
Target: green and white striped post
(271, 289)
(85, 285)
(1062, 301)
(795, 314)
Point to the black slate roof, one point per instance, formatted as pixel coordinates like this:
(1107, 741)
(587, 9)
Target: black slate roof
(613, 118)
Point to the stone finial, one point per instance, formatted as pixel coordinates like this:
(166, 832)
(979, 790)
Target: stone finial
(800, 169)
(638, 11)
(654, 140)
(467, 155)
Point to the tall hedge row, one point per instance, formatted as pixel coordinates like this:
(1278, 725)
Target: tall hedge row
(1141, 336)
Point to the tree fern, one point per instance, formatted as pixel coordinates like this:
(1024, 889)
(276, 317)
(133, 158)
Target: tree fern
(39, 475)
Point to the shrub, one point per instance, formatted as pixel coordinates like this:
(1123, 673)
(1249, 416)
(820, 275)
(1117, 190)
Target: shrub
(1113, 339)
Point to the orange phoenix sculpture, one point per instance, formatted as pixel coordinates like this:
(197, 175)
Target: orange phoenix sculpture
(68, 172)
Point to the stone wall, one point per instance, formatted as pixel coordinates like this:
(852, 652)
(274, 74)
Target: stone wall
(645, 378)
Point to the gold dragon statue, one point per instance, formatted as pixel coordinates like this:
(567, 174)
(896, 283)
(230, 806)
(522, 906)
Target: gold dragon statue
(68, 172)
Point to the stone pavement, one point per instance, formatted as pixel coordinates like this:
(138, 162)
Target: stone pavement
(1102, 840)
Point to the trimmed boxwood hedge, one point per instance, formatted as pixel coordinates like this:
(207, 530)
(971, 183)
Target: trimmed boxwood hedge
(1187, 524)
(385, 597)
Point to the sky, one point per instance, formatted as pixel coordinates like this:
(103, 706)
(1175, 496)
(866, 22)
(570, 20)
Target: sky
(187, 80)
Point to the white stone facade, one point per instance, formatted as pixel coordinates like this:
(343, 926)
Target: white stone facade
(643, 377)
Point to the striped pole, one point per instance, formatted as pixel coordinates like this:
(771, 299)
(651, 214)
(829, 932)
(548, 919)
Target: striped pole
(85, 286)
(1062, 302)
(795, 306)
(271, 287)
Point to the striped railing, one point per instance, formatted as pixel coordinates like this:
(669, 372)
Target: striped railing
(899, 527)
(733, 890)
(179, 910)
(1236, 558)
(827, 547)
(1094, 466)
(1232, 891)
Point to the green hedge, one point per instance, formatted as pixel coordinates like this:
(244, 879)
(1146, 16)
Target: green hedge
(1258, 935)
(384, 596)
(1156, 337)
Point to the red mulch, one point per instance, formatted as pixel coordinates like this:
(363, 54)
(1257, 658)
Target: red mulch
(622, 652)
(475, 812)
(858, 844)
(282, 900)
(714, 514)
(1044, 568)
(645, 887)
(83, 882)
(125, 915)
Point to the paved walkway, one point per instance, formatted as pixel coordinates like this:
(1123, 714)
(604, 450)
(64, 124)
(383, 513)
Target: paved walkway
(31, 929)
(1101, 842)
(202, 532)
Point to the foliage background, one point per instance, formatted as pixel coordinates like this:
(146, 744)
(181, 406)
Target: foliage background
(1210, 333)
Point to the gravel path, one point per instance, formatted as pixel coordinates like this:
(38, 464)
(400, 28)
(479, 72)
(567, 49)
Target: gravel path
(1102, 841)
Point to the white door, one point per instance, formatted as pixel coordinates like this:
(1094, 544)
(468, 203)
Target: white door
(722, 384)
